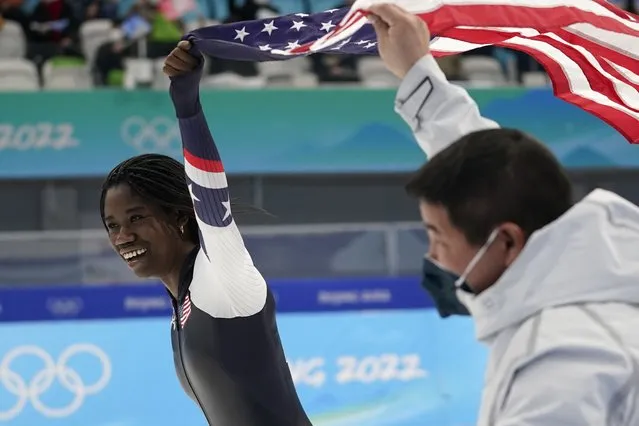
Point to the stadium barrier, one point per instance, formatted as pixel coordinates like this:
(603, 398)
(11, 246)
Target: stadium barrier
(284, 251)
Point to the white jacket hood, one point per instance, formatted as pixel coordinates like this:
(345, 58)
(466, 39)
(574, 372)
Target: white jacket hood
(590, 254)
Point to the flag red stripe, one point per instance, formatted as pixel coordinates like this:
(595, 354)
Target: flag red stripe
(213, 166)
(481, 36)
(598, 82)
(599, 50)
(623, 123)
(541, 19)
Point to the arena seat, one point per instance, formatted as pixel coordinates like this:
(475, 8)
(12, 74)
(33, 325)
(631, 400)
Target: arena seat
(535, 79)
(483, 70)
(18, 75)
(12, 40)
(160, 81)
(199, 23)
(229, 80)
(373, 73)
(93, 34)
(66, 77)
(294, 72)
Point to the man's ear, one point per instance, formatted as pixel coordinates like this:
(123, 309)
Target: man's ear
(515, 240)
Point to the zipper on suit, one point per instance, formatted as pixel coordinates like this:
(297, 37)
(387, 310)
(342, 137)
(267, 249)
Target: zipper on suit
(178, 327)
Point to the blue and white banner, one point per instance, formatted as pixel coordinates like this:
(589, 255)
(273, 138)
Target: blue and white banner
(90, 132)
(362, 352)
(150, 300)
(387, 368)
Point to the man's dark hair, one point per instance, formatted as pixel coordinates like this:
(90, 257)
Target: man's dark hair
(158, 179)
(491, 177)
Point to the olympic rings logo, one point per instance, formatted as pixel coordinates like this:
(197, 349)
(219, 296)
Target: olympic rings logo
(159, 134)
(32, 390)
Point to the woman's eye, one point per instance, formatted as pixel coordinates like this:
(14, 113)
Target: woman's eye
(136, 217)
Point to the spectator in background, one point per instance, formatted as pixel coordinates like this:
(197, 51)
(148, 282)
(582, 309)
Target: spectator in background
(12, 11)
(52, 31)
(145, 22)
(166, 31)
(109, 59)
(101, 9)
(250, 10)
(336, 68)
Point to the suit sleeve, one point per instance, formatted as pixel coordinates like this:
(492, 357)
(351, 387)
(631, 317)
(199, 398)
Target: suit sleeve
(437, 111)
(226, 284)
(568, 386)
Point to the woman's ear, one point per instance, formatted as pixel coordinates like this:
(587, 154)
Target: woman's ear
(182, 220)
(182, 223)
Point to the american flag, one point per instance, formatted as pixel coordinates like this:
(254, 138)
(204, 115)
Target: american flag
(589, 48)
(185, 312)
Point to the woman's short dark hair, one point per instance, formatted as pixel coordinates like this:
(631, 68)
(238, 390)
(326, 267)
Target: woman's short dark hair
(495, 176)
(158, 179)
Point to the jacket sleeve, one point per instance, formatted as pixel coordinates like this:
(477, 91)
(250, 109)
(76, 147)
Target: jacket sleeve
(229, 285)
(568, 386)
(437, 111)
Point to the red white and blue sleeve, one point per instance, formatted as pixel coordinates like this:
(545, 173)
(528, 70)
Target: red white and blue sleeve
(225, 282)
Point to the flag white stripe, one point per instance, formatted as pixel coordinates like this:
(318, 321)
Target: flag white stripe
(205, 179)
(631, 76)
(427, 6)
(452, 45)
(579, 83)
(628, 94)
(625, 44)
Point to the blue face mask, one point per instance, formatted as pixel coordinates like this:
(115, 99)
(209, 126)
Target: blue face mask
(440, 284)
(443, 285)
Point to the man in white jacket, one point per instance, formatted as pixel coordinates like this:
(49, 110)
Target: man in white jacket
(553, 288)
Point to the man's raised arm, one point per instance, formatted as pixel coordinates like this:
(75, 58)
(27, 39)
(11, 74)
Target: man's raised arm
(437, 111)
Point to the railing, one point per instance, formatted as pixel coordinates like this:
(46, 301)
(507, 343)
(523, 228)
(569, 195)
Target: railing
(292, 251)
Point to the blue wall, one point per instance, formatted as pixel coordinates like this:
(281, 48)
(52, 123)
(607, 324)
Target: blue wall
(89, 132)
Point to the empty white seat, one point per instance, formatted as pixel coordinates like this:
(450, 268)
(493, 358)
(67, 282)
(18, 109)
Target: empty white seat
(160, 80)
(93, 34)
(381, 81)
(199, 23)
(66, 77)
(18, 75)
(535, 79)
(231, 80)
(284, 70)
(373, 73)
(371, 65)
(138, 71)
(305, 80)
(12, 40)
(483, 70)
